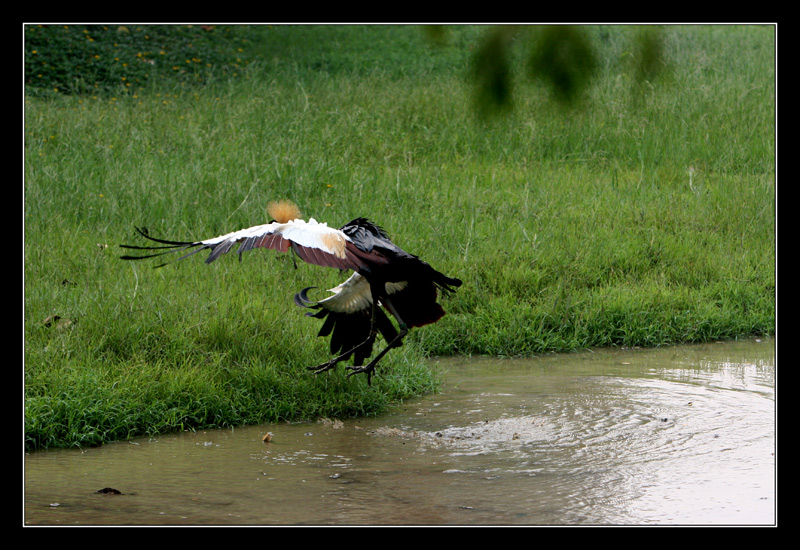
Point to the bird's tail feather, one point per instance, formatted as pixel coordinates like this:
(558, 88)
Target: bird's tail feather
(448, 284)
(417, 304)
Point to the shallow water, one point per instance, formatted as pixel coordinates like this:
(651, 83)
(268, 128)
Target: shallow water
(679, 435)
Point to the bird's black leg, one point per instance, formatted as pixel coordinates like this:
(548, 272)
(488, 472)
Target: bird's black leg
(328, 365)
(369, 368)
(373, 332)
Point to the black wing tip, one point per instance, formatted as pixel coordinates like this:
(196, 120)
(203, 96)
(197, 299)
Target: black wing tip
(167, 247)
(302, 300)
(146, 234)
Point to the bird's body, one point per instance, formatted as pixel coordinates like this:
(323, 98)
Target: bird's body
(384, 275)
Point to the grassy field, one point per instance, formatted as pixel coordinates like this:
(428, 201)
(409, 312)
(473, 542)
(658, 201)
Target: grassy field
(643, 215)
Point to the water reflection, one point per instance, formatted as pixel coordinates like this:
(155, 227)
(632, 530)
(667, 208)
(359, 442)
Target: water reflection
(682, 435)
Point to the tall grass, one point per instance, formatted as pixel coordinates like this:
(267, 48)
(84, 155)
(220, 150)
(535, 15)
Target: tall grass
(634, 219)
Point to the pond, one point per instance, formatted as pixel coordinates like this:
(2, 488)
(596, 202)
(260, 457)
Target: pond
(682, 435)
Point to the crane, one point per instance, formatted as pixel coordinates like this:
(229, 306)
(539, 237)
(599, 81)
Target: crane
(385, 278)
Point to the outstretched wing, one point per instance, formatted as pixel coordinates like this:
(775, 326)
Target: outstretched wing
(313, 242)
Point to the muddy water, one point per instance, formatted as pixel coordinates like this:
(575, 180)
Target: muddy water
(679, 435)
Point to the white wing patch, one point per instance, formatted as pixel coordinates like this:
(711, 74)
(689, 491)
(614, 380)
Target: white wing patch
(313, 234)
(310, 234)
(242, 234)
(354, 294)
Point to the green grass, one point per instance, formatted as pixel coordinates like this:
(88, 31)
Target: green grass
(643, 216)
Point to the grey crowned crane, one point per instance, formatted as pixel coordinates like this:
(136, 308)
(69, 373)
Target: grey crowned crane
(383, 275)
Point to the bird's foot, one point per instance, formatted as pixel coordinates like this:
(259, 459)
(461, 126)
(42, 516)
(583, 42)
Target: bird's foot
(369, 369)
(323, 367)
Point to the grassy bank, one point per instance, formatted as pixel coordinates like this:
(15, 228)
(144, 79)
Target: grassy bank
(627, 220)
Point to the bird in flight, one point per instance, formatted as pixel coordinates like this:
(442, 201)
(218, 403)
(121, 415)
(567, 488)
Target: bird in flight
(385, 278)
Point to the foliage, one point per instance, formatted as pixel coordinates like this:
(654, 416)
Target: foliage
(114, 59)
